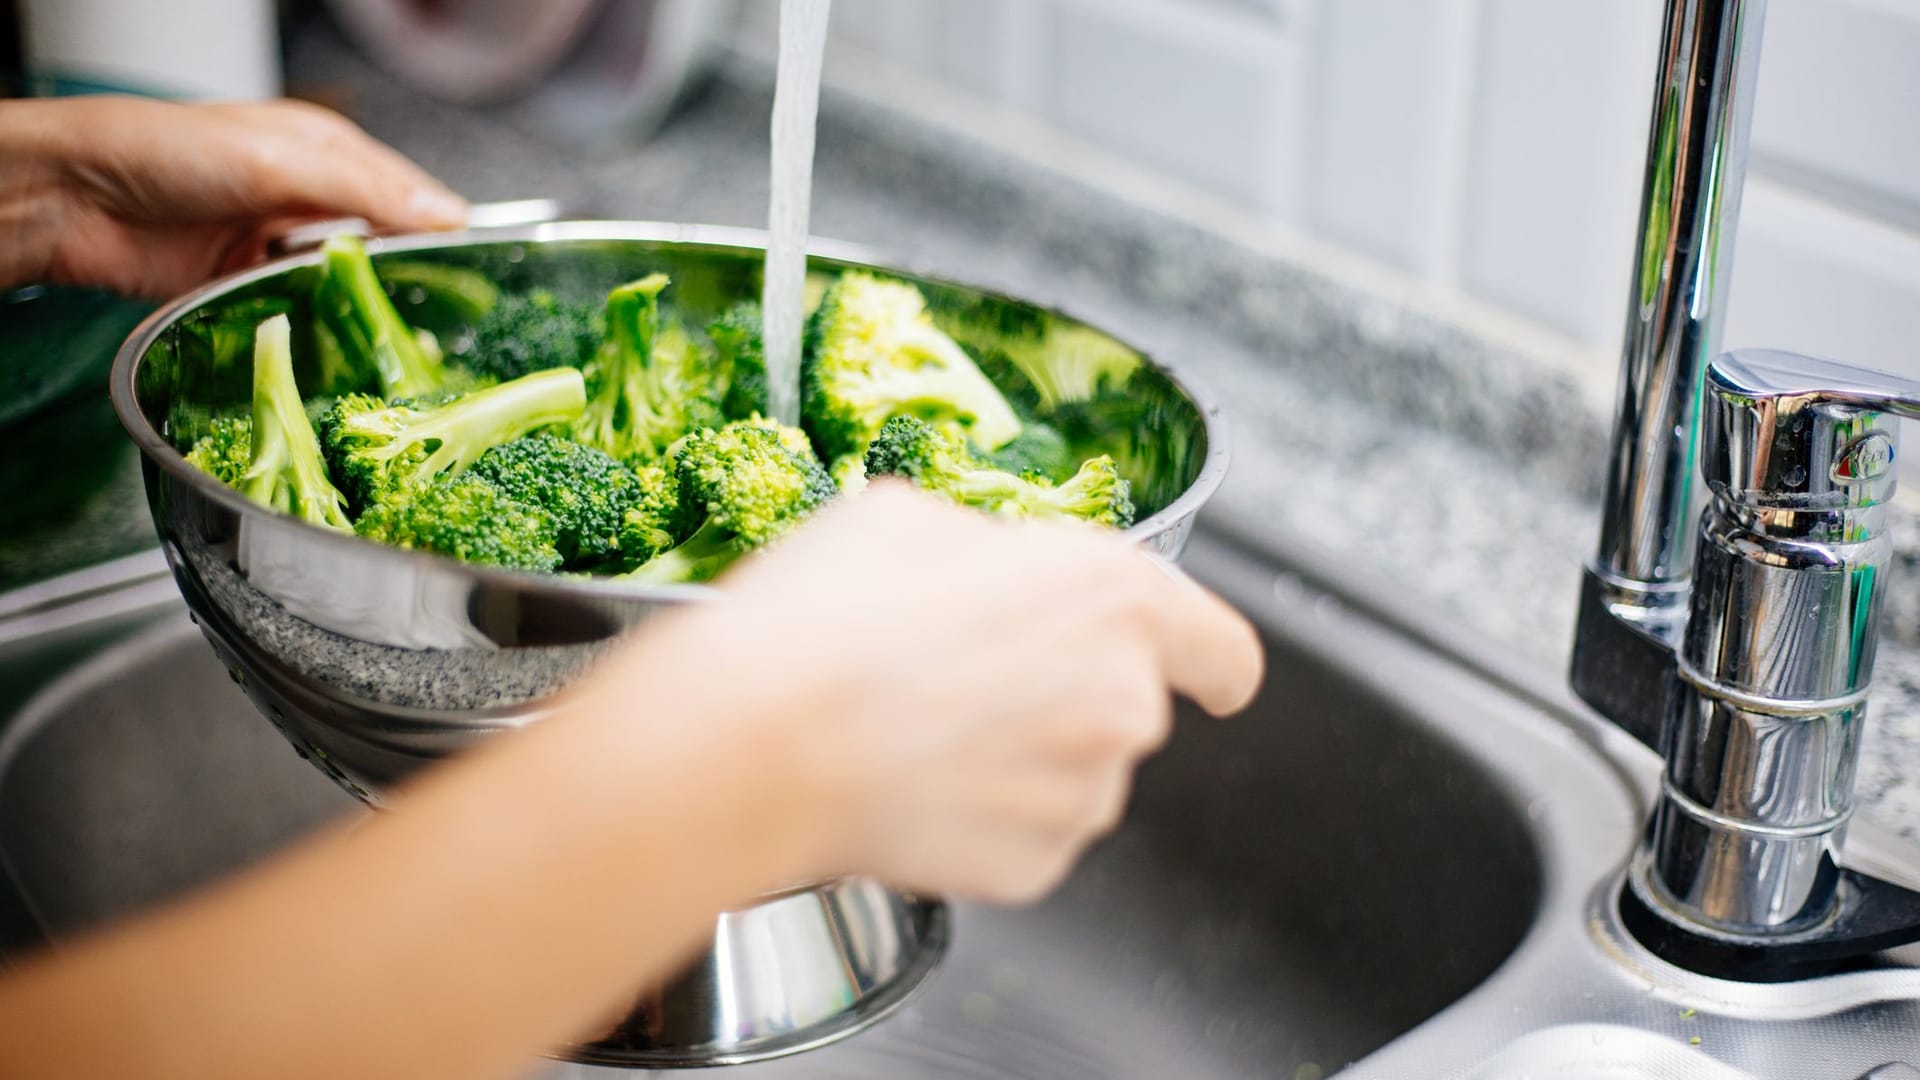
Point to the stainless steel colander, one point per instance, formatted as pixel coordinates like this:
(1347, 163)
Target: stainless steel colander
(374, 661)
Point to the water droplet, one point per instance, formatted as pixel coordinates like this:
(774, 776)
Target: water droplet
(1794, 476)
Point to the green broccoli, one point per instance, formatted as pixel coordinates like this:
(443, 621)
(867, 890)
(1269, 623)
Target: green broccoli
(469, 519)
(334, 372)
(227, 333)
(1071, 363)
(225, 451)
(586, 492)
(285, 467)
(1039, 451)
(790, 437)
(440, 294)
(651, 386)
(743, 488)
(873, 353)
(939, 461)
(523, 334)
(366, 328)
(654, 523)
(378, 449)
(741, 360)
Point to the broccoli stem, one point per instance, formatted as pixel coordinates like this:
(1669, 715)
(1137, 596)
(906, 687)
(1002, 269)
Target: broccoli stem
(633, 316)
(1004, 493)
(476, 423)
(287, 471)
(702, 557)
(633, 321)
(990, 488)
(357, 309)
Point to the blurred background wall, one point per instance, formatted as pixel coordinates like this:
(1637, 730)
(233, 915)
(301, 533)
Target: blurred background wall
(175, 48)
(1479, 156)
(1488, 151)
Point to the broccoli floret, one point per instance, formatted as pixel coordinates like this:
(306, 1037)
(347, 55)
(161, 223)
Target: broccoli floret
(586, 492)
(940, 462)
(285, 468)
(225, 451)
(469, 519)
(1039, 451)
(654, 523)
(651, 386)
(379, 449)
(741, 360)
(1072, 363)
(523, 334)
(790, 437)
(742, 488)
(873, 353)
(366, 328)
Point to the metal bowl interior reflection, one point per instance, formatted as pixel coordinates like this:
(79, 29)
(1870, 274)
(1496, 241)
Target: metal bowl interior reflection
(374, 661)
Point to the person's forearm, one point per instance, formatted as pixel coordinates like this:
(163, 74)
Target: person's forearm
(30, 194)
(502, 905)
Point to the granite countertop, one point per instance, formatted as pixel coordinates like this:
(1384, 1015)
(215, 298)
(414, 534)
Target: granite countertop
(1402, 449)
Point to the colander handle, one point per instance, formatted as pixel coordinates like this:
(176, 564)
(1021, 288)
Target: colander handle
(490, 215)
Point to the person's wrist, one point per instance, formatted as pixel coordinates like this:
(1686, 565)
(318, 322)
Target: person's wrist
(754, 748)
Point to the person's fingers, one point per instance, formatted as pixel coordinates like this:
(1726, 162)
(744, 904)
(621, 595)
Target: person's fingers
(165, 163)
(1109, 797)
(1122, 713)
(303, 159)
(1016, 867)
(1210, 652)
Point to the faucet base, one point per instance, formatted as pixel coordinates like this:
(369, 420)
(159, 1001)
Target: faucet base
(1870, 916)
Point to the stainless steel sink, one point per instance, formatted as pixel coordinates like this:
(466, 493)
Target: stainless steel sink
(1393, 860)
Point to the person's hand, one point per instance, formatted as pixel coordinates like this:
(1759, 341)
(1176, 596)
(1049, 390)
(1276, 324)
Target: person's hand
(151, 198)
(961, 701)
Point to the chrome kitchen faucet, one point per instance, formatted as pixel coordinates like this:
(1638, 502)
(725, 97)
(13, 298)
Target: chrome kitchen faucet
(1740, 649)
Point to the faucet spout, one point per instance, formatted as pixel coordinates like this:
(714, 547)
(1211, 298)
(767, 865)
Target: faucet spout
(1689, 207)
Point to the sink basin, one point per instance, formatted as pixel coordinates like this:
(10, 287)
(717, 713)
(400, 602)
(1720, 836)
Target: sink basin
(1397, 866)
(1269, 904)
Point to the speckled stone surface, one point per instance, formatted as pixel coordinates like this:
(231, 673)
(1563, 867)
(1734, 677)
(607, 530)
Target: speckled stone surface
(1462, 475)
(384, 676)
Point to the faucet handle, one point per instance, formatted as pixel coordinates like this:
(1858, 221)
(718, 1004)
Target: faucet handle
(1791, 432)
(1741, 873)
